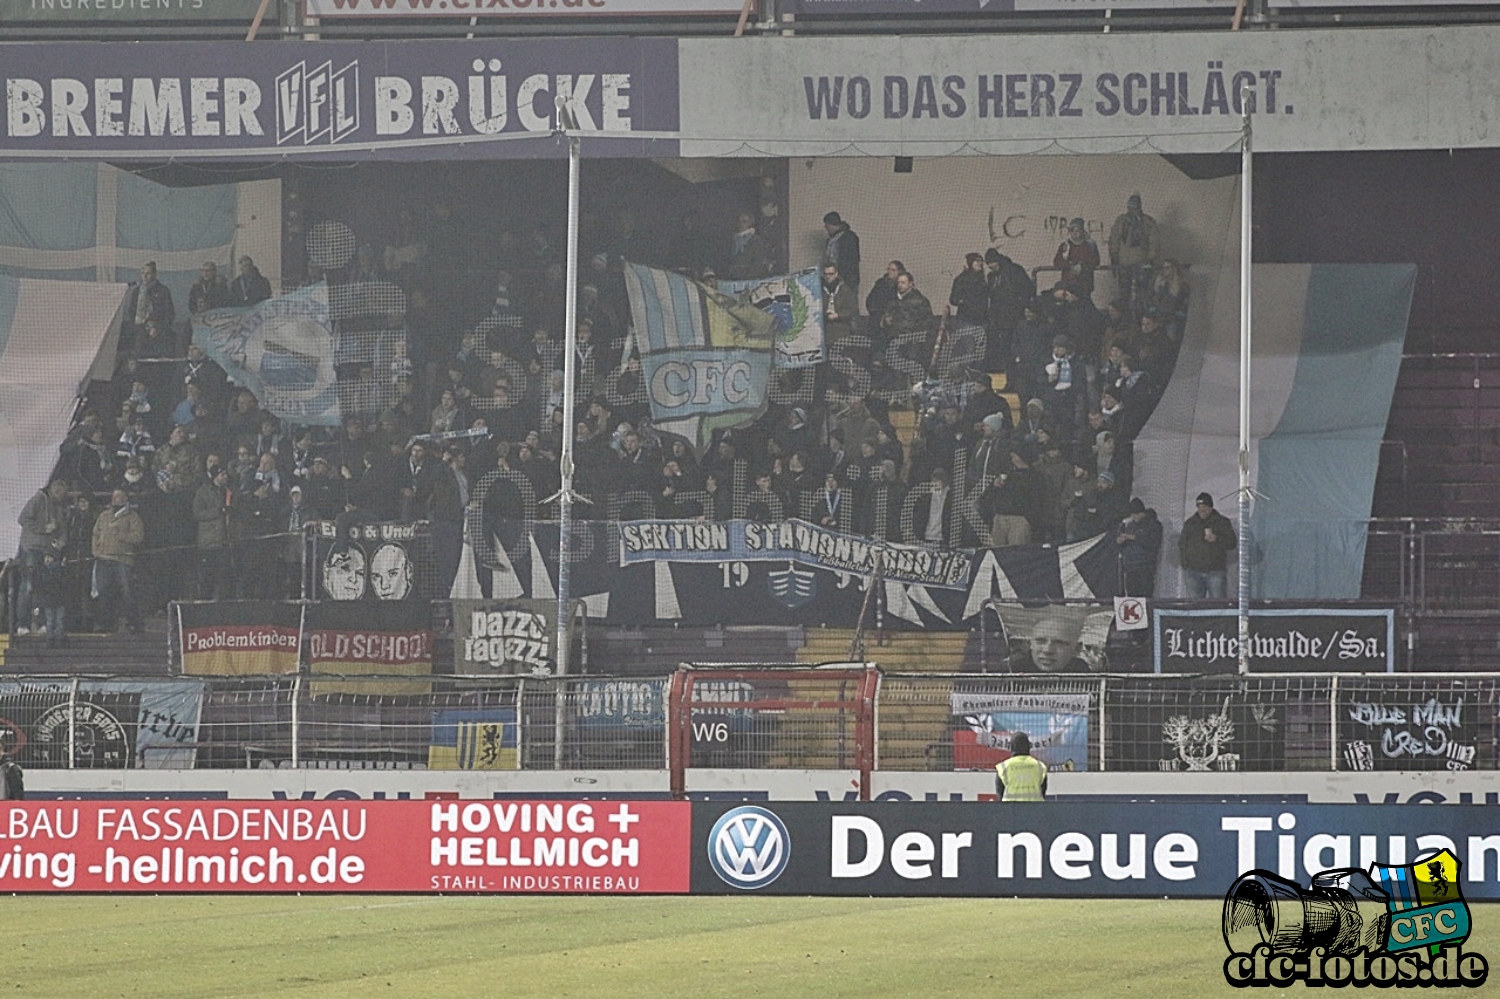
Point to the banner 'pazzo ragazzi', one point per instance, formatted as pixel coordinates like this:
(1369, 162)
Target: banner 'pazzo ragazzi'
(493, 637)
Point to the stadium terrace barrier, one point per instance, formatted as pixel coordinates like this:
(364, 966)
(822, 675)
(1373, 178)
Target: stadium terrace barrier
(851, 719)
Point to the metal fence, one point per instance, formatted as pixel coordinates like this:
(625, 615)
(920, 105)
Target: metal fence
(748, 718)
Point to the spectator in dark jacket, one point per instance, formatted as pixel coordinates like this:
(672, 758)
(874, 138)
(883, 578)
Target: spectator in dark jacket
(1207, 539)
(969, 299)
(1139, 542)
(251, 287)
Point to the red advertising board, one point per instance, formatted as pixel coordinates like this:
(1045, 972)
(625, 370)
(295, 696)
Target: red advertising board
(605, 847)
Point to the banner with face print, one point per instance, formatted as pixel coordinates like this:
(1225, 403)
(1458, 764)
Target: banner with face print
(385, 562)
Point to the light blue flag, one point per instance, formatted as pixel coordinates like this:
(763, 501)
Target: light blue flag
(282, 350)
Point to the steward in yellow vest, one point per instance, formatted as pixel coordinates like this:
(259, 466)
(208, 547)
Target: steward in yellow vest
(1023, 777)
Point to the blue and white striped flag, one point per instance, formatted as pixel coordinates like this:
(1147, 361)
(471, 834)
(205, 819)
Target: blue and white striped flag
(705, 358)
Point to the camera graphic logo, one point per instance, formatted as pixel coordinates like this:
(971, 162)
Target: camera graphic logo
(749, 847)
(1393, 925)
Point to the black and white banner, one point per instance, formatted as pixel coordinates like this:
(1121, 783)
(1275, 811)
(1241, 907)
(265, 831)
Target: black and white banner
(728, 590)
(493, 637)
(1317, 640)
(792, 541)
(391, 561)
(1440, 728)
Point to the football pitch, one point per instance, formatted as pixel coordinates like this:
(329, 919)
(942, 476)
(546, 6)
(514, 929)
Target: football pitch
(665, 948)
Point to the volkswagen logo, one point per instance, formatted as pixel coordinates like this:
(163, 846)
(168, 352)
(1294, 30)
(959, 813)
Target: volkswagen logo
(749, 847)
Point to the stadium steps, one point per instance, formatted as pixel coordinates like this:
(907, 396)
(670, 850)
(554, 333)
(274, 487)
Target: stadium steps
(121, 654)
(659, 649)
(1000, 382)
(912, 727)
(904, 422)
(894, 651)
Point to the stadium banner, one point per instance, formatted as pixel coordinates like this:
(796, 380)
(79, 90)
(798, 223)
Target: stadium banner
(705, 356)
(986, 8)
(135, 12)
(1058, 725)
(792, 541)
(520, 847)
(363, 639)
(475, 739)
(1436, 730)
(239, 637)
(795, 303)
(627, 705)
(718, 589)
(576, 10)
(1021, 94)
(501, 637)
(335, 780)
(1065, 849)
(116, 724)
(1196, 728)
(1300, 640)
(282, 350)
(409, 100)
(51, 333)
(1053, 638)
(373, 562)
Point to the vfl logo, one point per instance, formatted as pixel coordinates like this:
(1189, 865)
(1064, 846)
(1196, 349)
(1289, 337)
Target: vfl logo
(749, 847)
(317, 103)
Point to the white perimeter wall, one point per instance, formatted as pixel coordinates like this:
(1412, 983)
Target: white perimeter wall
(945, 208)
(776, 785)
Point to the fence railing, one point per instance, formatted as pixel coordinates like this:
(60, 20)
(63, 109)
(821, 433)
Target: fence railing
(749, 718)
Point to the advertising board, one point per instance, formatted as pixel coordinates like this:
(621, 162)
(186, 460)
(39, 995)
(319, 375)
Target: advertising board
(390, 846)
(1066, 849)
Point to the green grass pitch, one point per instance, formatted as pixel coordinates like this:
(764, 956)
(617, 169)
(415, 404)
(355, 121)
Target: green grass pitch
(663, 948)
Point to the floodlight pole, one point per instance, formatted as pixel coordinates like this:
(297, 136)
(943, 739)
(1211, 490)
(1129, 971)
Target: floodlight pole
(1246, 231)
(565, 120)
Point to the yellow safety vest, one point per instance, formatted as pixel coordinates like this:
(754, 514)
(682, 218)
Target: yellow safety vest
(1022, 776)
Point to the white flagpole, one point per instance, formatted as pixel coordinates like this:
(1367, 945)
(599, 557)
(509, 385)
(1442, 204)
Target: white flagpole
(566, 121)
(1245, 354)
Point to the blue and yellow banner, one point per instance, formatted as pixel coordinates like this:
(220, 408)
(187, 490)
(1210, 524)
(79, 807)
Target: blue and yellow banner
(474, 739)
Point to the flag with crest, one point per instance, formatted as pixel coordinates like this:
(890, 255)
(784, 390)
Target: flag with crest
(1426, 903)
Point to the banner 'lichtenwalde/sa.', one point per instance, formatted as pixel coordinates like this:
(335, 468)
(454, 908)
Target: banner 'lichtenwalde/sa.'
(886, 849)
(791, 541)
(1355, 639)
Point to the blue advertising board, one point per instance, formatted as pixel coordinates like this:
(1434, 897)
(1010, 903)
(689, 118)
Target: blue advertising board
(1070, 849)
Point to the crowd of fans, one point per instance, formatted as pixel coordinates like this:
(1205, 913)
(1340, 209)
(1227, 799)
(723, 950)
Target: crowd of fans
(223, 489)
